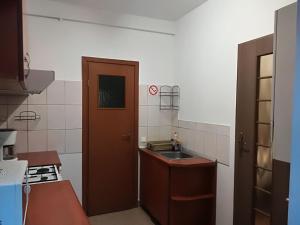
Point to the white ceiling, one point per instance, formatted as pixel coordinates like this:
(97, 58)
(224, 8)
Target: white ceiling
(160, 9)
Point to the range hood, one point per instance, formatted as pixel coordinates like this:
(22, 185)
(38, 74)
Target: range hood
(33, 82)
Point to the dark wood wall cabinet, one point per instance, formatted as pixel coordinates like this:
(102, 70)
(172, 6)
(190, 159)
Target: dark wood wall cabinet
(16, 76)
(177, 192)
(11, 40)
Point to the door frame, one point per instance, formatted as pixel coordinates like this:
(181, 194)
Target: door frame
(85, 120)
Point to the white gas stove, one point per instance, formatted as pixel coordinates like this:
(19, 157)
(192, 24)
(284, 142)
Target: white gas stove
(42, 174)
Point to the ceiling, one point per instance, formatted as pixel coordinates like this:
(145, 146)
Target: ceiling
(160, 9)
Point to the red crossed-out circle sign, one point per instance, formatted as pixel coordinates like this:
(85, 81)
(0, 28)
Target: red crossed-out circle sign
(153, 90)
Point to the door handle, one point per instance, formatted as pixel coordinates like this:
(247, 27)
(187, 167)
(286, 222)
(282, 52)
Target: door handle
(242, 143)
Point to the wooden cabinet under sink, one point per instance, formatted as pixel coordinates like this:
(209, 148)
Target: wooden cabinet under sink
(178, 192)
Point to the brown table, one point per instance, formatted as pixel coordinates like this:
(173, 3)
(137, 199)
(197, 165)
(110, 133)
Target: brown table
(40, 158)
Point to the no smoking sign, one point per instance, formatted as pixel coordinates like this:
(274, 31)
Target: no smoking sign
(153, 90)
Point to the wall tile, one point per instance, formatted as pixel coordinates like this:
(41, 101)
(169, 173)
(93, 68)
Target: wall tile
(187, 124)
(56, 93)
(56, 140)
(153, 133)
(22, 142)
(3, 116)
(210, 128)
(39, 99)
(143, 116)
(37, 141)
(199, 142)
(15, 110)
(175, 129)
(73, 116)
(183, 137)
(143, 95)
(17, 100)
(165, 132)
(223, 149)
(143, 132)
(40, 124)
(153, 116)
(73, 92)
(223, 130)
(56, 117)
(74, 141)
(210, 145)
(175, 122)
(153, 99)
(165, 118)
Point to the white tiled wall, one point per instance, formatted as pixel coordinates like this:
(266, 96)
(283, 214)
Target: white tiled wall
(208, 140)
(154, 124)
(60, 123)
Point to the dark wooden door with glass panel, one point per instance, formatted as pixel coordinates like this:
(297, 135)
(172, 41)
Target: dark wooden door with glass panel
(253, 154)
(110, 135)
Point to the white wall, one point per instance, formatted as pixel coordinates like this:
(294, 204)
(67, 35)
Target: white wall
(59, 45)
(206, 67)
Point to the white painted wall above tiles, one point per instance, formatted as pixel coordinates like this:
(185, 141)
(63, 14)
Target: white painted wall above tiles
(59, 45)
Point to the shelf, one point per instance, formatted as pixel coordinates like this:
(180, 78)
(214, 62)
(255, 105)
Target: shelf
(193, 198)
(169, 97)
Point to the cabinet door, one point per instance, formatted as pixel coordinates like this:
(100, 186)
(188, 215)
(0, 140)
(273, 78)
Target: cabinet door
(11, 41)
(285, 51)
(154, 192)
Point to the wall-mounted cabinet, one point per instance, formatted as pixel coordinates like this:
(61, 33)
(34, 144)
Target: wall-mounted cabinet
(14, 78)
(11, 40)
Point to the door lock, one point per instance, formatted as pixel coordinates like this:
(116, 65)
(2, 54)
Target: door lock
(243, 143)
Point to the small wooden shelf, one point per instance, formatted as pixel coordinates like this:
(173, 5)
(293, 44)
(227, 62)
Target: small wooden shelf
(192, 198)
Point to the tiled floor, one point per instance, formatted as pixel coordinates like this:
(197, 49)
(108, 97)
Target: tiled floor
(130, 217)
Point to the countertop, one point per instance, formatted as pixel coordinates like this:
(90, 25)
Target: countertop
(188, 162)
(54, 204)
(40, 158)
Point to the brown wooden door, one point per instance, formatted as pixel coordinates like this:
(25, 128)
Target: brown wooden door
(246, 137)
(110, 155)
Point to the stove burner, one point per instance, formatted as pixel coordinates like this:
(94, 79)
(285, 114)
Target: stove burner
(42, 170)
(44, 179)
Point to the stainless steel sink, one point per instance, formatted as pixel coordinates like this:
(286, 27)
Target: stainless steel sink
(175, 155)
